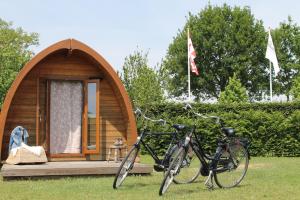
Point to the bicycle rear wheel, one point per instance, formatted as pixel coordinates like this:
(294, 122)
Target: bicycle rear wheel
(231, 166)
(189, 169)
(125, 167)
(172, 171)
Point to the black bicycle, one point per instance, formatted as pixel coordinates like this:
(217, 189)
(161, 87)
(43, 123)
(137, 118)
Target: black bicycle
(228, 166)
(160, 164)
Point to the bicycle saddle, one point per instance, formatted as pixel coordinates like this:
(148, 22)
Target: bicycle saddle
(229, 132)
(178, 127)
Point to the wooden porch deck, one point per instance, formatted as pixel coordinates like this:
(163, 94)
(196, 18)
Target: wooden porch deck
(76, 168)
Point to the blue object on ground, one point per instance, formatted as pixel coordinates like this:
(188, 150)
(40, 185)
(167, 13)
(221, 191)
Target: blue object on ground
(18, 135)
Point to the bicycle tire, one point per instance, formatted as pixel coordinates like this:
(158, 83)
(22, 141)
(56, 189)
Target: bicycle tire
(125, 167)
(190, 168)
(234, 163)
(172, 170)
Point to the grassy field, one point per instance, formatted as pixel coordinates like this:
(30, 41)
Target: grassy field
(267, 178)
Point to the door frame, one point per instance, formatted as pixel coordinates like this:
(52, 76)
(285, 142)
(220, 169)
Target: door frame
(84, 150)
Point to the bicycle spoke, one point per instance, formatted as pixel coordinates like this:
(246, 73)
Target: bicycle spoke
(125, 167)
(189, 169)
(231, 167)
(173, 170)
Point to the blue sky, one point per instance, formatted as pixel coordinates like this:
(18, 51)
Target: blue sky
(115, 28)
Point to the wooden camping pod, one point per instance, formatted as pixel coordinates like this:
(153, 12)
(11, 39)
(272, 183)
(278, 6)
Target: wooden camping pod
(27, 101)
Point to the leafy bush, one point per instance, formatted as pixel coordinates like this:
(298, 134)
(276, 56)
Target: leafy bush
(296, 89)
(234, 92)
(273, 128)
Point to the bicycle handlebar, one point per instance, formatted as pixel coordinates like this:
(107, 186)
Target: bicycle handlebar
(187, 106)
(138, 112)
(218, 119)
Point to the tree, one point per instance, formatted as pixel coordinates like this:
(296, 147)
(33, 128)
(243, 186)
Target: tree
(287, 45)
(14, 53)
(141, 81)
(227, 41)
(234, 92)
(295, 90)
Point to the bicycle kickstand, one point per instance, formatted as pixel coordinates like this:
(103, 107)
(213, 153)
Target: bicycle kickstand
(209, 183)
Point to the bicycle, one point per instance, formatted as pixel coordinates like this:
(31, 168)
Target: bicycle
(227, 167)
(160, 164)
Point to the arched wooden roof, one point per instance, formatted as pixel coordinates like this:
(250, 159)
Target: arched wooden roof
(70, 44)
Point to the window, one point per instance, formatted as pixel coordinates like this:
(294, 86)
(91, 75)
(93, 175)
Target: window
(91, 139)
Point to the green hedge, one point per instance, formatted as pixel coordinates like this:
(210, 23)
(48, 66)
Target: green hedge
(273, 128)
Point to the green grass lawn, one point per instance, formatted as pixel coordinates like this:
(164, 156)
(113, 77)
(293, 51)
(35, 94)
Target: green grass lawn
(267, 178)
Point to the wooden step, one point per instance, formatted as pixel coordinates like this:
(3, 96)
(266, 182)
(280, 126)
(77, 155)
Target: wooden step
(69, 169)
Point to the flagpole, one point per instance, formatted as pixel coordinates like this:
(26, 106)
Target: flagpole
(189, 70)
(271, 97)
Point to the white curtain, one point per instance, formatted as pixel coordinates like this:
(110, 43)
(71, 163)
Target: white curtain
(66, 102)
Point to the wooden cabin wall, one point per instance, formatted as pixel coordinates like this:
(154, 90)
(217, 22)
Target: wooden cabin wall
(112, 124)
(23, 110)
(64, 66)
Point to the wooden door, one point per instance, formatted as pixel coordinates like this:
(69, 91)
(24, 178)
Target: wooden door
(66, 103)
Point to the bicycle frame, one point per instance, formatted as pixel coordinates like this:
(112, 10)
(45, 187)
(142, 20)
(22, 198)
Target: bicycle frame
(145, 133)
(196, 146)
(208, 163)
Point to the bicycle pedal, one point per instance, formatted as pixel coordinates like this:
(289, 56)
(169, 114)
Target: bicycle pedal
(210, 186)
(159, 168)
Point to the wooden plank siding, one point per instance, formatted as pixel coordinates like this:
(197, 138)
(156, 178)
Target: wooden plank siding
(65, 66)
(22, 114)
(111, 119)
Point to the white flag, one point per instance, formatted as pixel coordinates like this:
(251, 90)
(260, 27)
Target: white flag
(271, 54)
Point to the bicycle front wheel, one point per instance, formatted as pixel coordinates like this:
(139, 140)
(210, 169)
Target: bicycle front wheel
(172, 171)
(189, 169)
(125, 167)
(231, 166)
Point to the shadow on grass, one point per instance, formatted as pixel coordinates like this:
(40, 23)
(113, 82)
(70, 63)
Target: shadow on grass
(158, 183)
(53, 177)
(196, 181)
(139, 185)
(57, 177)
(184, 191)
(241, 186)
(136, 185)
